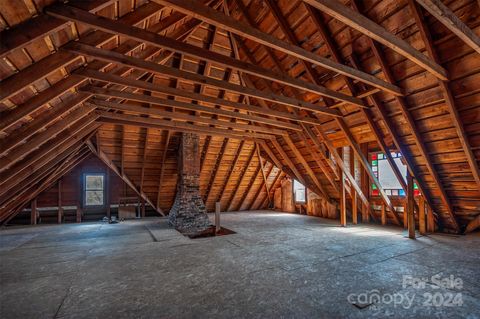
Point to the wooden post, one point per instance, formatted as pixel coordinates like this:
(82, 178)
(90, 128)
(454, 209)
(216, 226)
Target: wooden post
(343, 201)
(422, 227)
(410, 207)
(107, 194)
(60, 208)
(430, 220)
(353, 193)
(217, 217)
(384, 215)
(405, 218)
(79, 212)
(33, 212)
(365, 182)
(354, 207)
(142, 212)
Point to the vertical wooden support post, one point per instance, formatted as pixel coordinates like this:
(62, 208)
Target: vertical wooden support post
(60, 208)
(353, 193)
(78, 218)
(422, 227)
(33, 212)
(365, 184)
(384, 215)
(343, 200)
(217, 217)
(410, 207)
(354, 207)
(142, 211)
(430, 220)
(107, 194)
(405, 218)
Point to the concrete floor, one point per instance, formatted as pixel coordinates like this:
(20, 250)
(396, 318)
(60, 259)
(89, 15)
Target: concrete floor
(277, 266)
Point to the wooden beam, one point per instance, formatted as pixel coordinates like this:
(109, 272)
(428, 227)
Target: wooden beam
(104, 158)
(60, 202)
(263, 172)
(289, 162)
(249, 186)
(188, 106)
(240, 178)
(473, 224)
(41, 138)
(162, 166)
(41, 26)
(306, 166)
(342, 199)
(410, 207)
(363, 160)
(230, 171)
(36, 71)
(404, 108)
(366, 26)
(422, 226)
(228, 23)
(52, 148)
(259, 189)
(214, 175)
(33, 212)
(41, 121)
(107, 25)
(445, 86)
(177, 116)
(446, 17)
(156, 68)
(272, 189)
(131, 120)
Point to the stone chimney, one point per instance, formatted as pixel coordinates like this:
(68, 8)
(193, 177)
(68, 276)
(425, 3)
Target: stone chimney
(188, 213)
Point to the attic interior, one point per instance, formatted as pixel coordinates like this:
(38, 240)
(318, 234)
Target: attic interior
(335, 144)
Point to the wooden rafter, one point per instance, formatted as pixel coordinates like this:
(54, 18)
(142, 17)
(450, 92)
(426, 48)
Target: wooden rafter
(107, 25)
(227, 23)
(104, 158)
(444, 86)
(443, 14)
(366, 26)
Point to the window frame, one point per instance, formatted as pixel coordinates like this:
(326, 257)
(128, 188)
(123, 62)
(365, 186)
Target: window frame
(84, 190)
(293, 191)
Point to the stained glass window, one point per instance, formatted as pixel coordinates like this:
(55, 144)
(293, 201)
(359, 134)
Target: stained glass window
(383, 171)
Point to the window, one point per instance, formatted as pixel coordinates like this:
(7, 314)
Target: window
(299, 192)
(386, 177)
(94, 188)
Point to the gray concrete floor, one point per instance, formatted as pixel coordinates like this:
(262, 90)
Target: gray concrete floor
(278, 265)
